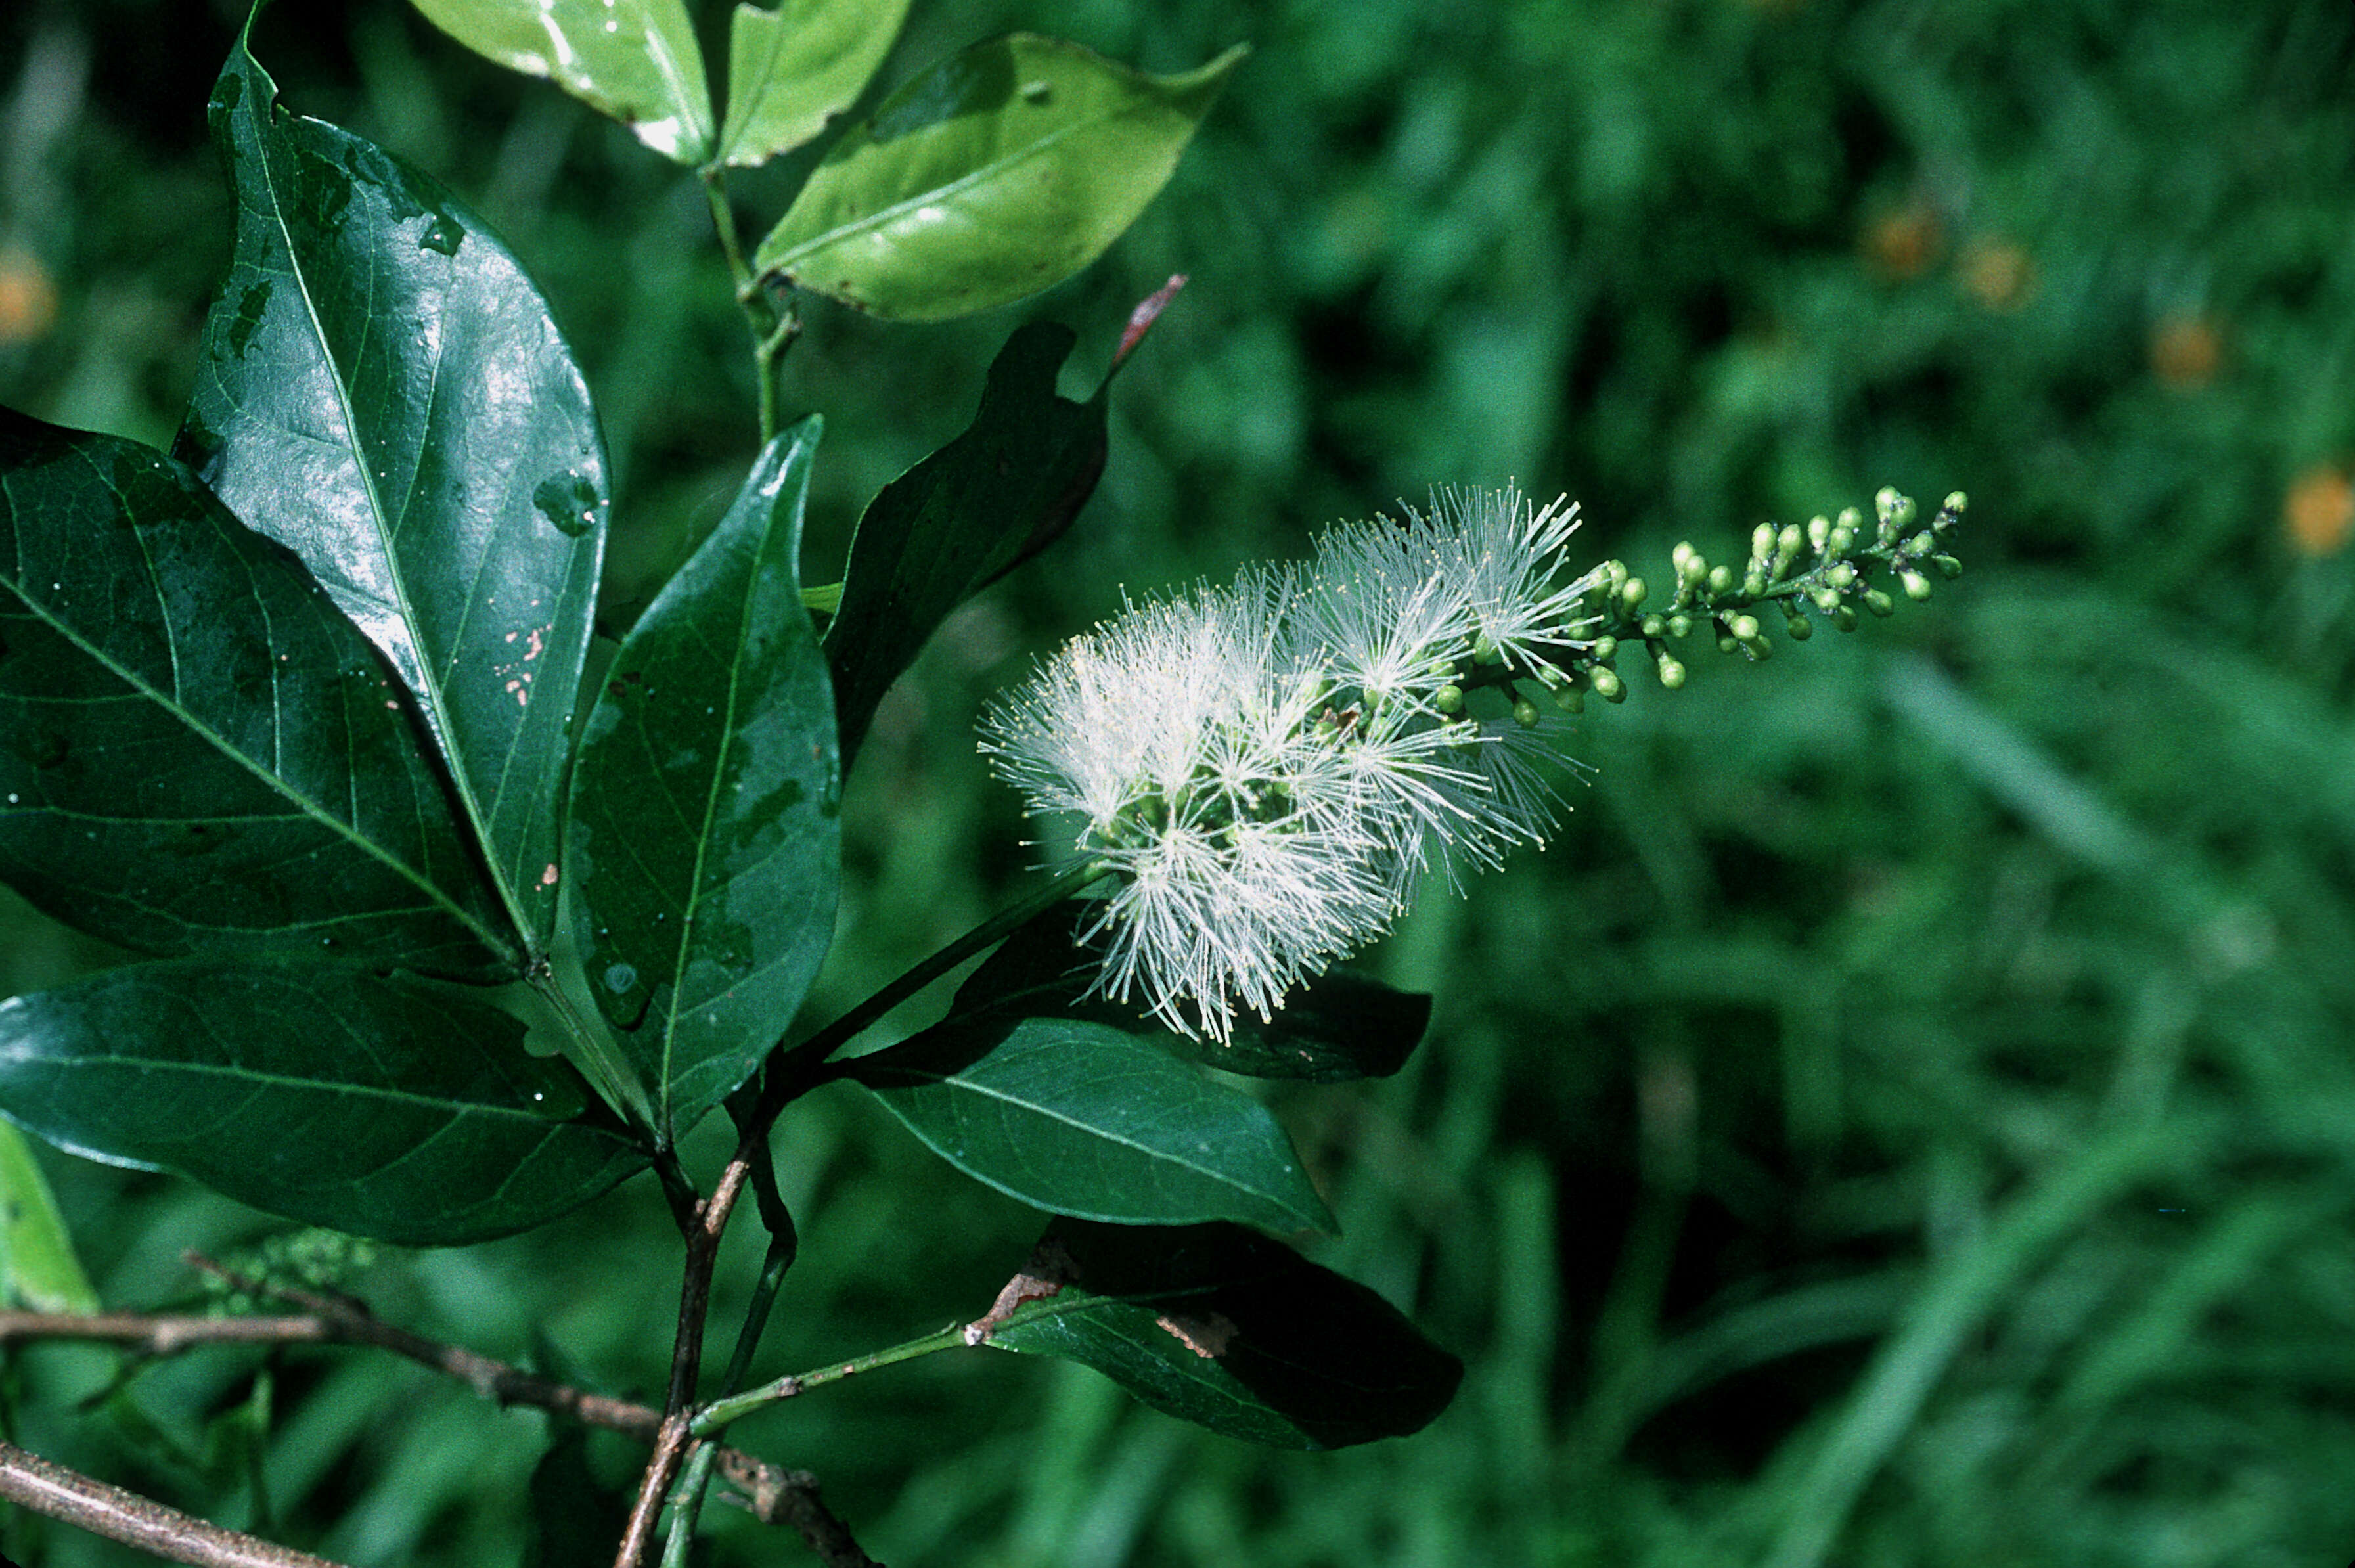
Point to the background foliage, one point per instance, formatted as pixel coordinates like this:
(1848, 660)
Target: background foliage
(1909, 1104)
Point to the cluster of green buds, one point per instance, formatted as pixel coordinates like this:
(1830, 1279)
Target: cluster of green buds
(1827, 568)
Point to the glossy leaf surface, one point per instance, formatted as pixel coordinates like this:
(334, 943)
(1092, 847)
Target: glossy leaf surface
(705, 844)
(326, 1094)
(383, 392)
(197, 752)
(971, 512)
(1080, 1119)
(999, 172)
(1235, 1332)
(792, 68)
(1335, 1028)
(637, 60)
(37, 1254)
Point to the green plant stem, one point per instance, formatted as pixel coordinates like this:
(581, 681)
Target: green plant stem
(687, 1505)
(772, 330)
(716, 1416)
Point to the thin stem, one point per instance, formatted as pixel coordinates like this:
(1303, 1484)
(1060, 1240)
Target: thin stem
(772, 330)
(716, 1415)
(687, 1505)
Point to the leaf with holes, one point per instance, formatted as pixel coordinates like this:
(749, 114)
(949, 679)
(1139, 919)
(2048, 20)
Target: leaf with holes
(199, 754)
(705, 844)
(383, 392)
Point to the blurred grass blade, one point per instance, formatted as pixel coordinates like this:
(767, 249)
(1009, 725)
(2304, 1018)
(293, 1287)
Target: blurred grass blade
(792, 68)
(384, 392)
(37, 1253)
(1953, 1300)
(637, 60)
(998, 173)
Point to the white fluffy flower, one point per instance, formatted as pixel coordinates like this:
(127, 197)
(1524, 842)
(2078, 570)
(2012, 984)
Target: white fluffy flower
(1265, 767)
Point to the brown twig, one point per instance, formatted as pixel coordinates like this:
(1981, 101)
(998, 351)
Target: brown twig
(772, 1494)
(673, 1440)
(166, 1532)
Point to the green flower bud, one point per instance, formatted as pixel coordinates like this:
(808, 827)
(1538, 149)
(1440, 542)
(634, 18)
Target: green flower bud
(1799, 628)
(1655, 626)
(1827, 599)
(1631, 592)
(1525, 713)
(1757, 648)
(1921, 544)
(1851, 520)
(1720, 577)
(1842, 540)
(1672, 674)
(1727, 643)
(1841, 575)
(1614, 572)
(1604, 649)
(1843, 618)
(1448, 698)
(1786, 546)
(1679, 625)
(1819, 532)
(1880, 604)
(1608, 685)
(1742, 628)
(1762, 543)
(1917, 587)
(1485, 651)
(1569, 701)
(1948, 567)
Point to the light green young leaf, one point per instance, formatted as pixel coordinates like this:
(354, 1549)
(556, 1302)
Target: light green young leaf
(637, 60)
(998, 173)
(37, 1253)
(791, 69)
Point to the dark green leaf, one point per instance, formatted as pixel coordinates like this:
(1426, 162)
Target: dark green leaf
(998, 173)
(705, 847)
(1239, 1333)
(386, 1107)
(791, 69)
(198, 753)
(637, 60)
(1335, 1028)
(383, 392)
(1078, 1118)
(971, 512)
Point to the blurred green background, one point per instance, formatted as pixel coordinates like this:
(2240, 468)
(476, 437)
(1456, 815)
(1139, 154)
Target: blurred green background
(1908, 1117)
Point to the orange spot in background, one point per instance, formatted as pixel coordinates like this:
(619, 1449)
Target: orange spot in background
(1997, 274)
(2185, 351)
(29, 298)
(2318, 514)
(1904, 243)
